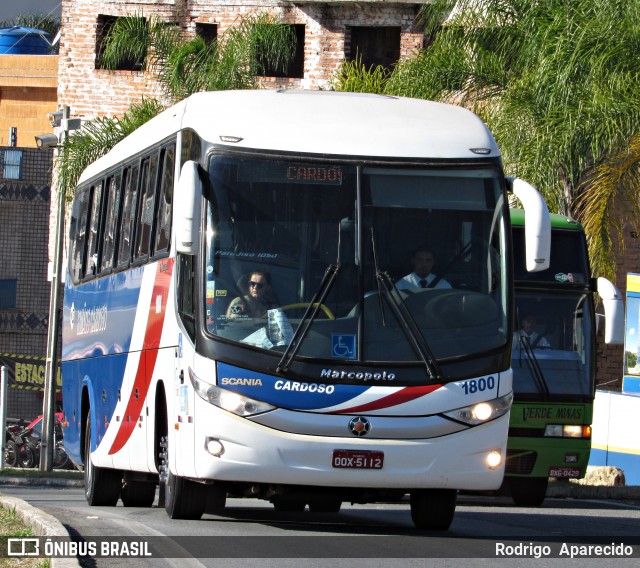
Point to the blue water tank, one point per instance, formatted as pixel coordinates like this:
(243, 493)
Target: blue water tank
(24, 41)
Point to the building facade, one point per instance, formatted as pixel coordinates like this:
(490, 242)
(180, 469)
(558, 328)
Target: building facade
(28, 91)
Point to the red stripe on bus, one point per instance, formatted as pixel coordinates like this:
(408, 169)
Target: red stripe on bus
(405, 395)
(150, 345)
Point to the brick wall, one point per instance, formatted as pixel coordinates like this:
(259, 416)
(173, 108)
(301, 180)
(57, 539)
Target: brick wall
(94, 92)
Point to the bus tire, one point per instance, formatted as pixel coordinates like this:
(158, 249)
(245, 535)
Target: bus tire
(138, 493)
(184, 499)
(528, 491)
(101, 485)
(433, 509)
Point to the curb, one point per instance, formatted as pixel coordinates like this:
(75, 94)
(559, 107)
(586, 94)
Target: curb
(42, 524)
(578, 491)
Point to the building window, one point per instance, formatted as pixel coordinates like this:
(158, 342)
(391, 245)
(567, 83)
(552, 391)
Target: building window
(12, 164)
(294, 68)
(8, 289)
(208, 32)
(375, 45)
(105, 23)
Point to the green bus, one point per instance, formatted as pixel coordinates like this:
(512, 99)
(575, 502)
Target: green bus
(553, 360)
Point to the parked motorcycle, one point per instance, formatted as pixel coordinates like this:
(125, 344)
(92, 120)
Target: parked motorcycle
(22, 447)
(29, 450)
(12, 441)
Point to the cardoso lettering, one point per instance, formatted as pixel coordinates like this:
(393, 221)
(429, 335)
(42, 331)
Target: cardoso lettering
(356, 375)
(241, 382)
(304, 387)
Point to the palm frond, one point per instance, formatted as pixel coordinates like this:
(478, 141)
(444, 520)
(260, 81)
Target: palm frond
(609, 203)
(95, 139)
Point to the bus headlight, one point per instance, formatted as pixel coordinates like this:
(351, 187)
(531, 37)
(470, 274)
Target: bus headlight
(567, 431)
(226, 399)
(481, 412)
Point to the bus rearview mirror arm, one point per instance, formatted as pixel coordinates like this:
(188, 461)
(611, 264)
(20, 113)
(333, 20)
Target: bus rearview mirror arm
(537, 227)
(613, 311)
(188, 199)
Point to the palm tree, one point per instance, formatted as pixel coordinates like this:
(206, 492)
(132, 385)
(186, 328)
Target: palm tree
(95, 139)
(557, 82)
(184, 66)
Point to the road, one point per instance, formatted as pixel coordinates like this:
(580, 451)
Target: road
(485, 532)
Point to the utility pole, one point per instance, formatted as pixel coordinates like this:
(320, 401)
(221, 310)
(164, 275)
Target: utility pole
(62, 125)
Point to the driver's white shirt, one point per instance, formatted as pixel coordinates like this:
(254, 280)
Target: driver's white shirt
(413, 281)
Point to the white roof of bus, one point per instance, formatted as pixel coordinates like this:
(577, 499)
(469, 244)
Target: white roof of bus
(317, 122)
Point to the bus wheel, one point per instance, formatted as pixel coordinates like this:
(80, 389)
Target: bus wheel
(433, 509)
(184, 499)
(138, 493)
(325, 505)
(528, 491)
(101, 484)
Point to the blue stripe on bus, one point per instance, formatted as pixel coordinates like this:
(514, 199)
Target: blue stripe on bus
(286, 393)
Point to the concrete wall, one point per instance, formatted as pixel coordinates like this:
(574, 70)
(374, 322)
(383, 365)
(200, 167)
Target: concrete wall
(28, 91)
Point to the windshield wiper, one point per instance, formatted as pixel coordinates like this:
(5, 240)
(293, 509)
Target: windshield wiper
(403, 315)
(409, 325)
(309, 316)
(534, 366)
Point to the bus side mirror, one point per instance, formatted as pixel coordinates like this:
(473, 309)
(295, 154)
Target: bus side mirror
(613, 311)
(187, 208)
(537, 225)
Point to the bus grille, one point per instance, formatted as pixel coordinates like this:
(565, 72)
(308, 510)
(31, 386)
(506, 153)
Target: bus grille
(520, 461)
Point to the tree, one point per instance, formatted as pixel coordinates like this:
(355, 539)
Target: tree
(185, 66)
(558, 83)
(96, 138)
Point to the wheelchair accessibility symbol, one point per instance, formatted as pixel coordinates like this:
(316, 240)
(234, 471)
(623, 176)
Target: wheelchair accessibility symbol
(343, 346)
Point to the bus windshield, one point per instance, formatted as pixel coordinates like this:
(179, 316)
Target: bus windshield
(300, 242)
(552, 346)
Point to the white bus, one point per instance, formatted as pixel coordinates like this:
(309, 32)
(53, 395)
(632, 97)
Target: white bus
(232, 320)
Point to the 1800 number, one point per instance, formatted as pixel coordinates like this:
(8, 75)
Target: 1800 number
(478, 385)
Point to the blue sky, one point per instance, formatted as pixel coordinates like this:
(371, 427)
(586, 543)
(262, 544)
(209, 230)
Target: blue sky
(10, 9)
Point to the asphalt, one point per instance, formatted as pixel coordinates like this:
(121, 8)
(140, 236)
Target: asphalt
(46, 525)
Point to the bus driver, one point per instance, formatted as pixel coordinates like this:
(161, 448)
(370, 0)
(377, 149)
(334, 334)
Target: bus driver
(259, 297)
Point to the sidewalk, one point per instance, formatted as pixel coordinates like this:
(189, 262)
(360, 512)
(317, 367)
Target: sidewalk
(41, 523)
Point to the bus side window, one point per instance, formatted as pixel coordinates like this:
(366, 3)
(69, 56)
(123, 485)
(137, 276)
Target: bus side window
(77, 233)
(147, 194)
(128, 211)
(186, 294)
(165, 198)
(91, 258)
(112, 208)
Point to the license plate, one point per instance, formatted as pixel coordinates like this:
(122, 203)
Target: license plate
(565, 472)
(357, 459)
